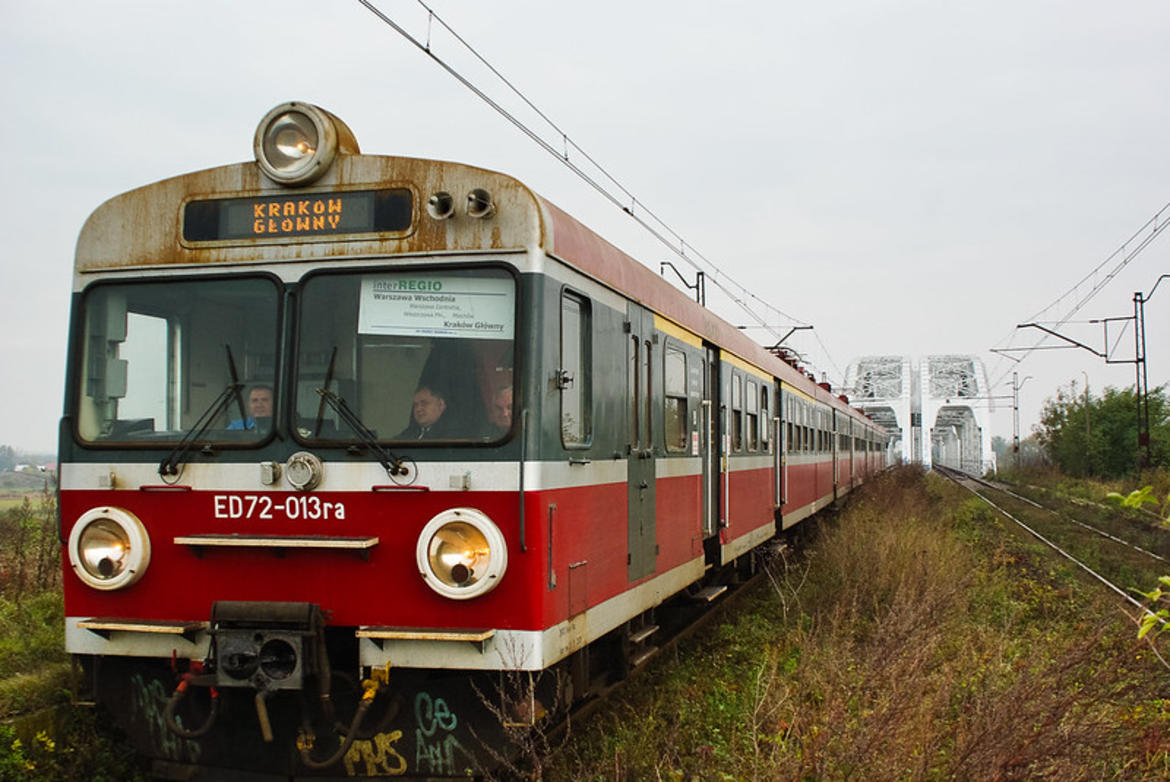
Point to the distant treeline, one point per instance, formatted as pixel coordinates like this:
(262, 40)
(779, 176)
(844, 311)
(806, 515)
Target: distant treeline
(1086, 435)
(10, 457)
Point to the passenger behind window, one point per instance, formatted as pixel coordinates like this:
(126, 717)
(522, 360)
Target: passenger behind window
(259, 410)
(427, 421)
(499, 414)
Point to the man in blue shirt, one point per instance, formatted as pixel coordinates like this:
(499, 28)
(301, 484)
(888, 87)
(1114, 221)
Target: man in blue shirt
(259, 410)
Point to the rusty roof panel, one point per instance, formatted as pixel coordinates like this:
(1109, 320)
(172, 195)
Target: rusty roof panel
(144, 226)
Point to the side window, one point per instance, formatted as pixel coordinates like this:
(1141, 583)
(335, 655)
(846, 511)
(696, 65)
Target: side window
(633, 392)
(575, 378)
(802, 429)
(765, 421)
(753, 416)
(648, 394)
(675, 388)
(786, 406)
(736, 413)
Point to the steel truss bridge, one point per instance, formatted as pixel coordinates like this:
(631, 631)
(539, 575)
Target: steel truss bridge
(934, 408)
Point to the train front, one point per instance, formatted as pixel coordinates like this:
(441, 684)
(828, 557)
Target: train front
(292, 461)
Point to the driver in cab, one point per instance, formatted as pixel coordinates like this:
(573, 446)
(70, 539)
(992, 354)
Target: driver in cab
(259, 410)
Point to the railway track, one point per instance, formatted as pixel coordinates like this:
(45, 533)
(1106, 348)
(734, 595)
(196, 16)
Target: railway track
(1123, 554)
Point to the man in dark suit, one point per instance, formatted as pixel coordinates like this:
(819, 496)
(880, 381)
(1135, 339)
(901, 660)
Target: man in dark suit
(426, 420)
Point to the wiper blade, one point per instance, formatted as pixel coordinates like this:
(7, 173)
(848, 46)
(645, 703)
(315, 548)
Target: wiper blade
(170, 465)
(325, 385)
(394, 466)
(236, 382)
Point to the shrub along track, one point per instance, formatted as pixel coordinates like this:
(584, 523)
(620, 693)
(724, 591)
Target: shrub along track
(1124, 554)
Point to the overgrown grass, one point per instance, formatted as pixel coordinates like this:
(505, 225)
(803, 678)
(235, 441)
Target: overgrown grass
(31, 632)
(919, 639)
(50, 741)
(82, 750)
(1089, 489)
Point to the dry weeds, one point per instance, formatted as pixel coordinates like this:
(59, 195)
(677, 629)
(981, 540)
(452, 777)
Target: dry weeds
(917, 641)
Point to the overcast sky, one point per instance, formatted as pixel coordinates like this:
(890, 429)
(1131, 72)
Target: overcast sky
(909, 177)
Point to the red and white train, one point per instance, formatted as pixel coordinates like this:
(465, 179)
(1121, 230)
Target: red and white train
(351, 439)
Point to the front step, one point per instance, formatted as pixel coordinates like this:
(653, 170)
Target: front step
(643, 656)
(709, 594)
(643, 634)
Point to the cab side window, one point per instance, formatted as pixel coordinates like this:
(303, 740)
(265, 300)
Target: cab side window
(575, 376)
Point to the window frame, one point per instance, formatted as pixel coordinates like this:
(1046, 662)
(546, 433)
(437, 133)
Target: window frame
(680, 396)
(583, 378)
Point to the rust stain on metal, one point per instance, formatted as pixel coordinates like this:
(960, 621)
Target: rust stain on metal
(143, 227)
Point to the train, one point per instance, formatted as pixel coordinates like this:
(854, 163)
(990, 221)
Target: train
(368, 462)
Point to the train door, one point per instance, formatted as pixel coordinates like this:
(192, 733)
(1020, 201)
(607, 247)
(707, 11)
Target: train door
(788, 440)
(640, 357)
(779, 443)
(709, 441)
(836, 446)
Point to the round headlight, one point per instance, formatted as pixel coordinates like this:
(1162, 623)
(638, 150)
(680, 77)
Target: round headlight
(295, 143)
(461, 553)
(109, 548)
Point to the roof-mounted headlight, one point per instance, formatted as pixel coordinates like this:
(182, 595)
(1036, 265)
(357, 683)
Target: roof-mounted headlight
(461, 553)
(109, 548)
(296, 142)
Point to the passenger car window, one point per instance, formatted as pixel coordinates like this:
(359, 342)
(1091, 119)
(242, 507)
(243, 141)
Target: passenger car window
(675, 388)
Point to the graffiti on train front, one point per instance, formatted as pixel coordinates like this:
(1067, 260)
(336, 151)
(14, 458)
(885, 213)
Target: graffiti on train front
(436, 749)
(148, 701)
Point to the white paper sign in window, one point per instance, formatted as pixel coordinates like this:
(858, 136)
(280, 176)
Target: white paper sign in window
(437, 305)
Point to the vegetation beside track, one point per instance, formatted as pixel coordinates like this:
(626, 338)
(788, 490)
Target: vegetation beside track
(42, 737)
(920, 636)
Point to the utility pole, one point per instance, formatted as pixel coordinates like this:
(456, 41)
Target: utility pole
(1088, 429)
(1141, 387)
(1017, 384)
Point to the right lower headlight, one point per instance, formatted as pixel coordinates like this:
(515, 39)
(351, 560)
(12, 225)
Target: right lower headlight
(109, 548)
(461, 553)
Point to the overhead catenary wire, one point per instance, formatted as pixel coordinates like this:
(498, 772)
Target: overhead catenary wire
(1143, 236)
(614, 192)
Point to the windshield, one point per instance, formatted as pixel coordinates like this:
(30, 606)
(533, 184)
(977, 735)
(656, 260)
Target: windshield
(419, 355)
(157, 357)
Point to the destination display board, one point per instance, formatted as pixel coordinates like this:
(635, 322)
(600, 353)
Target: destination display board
(298, 215)
(437, 305)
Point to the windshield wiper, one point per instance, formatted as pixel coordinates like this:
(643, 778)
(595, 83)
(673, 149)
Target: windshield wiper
(393, 465)
(325, 385)
(171, 463)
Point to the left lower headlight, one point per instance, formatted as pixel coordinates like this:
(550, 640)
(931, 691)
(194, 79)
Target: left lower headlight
(109, 548)
(461, 553)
